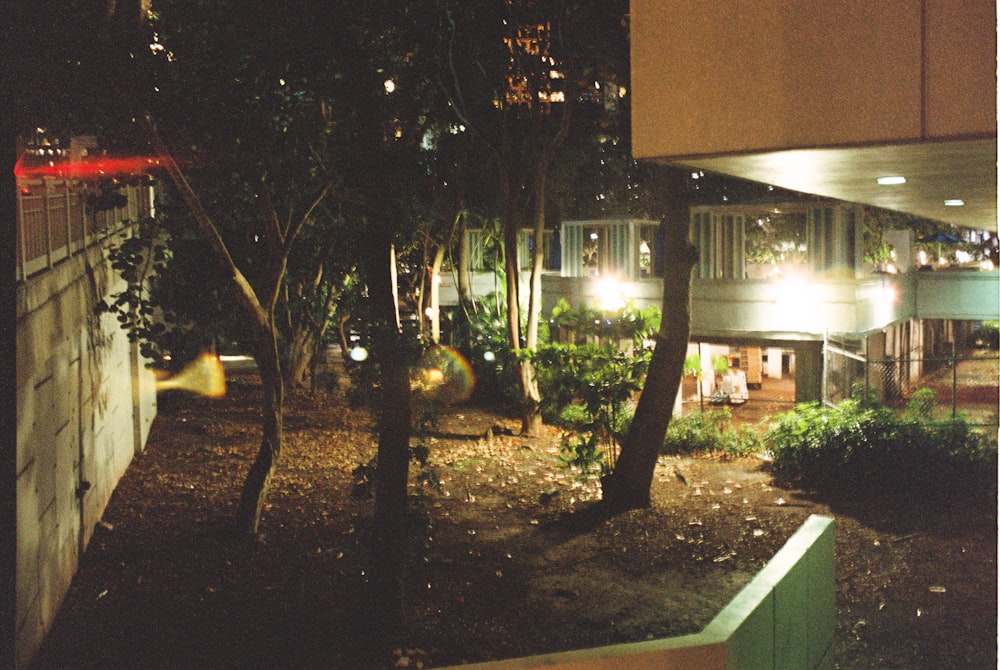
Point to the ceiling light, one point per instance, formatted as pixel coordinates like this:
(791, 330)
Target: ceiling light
(954, 202)
(891, 180)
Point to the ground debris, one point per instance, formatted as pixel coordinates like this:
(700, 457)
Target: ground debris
(511, 574)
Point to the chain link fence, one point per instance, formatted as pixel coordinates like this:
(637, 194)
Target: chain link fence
(965, 384)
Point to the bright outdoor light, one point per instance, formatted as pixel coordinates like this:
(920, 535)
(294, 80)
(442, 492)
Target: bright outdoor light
(359, 354)
(390, 85)
(891, 180)
(796, 305)
(954, 202)
(610, 293)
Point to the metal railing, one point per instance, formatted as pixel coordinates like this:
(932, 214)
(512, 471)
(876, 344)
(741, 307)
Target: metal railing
(54, 221)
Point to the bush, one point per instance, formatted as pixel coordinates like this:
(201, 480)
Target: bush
(480, 334)
(986, 336)
(852, 449)
(709, 432)
(588, 389)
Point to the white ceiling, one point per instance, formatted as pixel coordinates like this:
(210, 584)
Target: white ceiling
(934, 172)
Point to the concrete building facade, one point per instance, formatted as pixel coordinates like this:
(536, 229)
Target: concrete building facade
(826, 99)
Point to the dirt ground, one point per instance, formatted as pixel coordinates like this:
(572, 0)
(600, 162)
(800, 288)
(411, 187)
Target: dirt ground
(507, 557)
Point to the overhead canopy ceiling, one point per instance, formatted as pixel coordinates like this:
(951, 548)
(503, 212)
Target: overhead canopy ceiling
(936, 172)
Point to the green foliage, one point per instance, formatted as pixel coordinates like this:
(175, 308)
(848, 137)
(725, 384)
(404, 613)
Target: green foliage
(720, 364)
(589, 388)
(692, 366)
(585, 453)
(986, 336)
(855, 449)
(587, 384)
(922, 404)
(573, 416)
(481, 335)
(138, 260)
(710, 432)
(775, 238)
(584, 323)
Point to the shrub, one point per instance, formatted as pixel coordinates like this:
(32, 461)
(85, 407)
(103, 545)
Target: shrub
(588, 388)
(709, 432)
(480, 334)
(922, 404)
(987, 335)
(852, 449)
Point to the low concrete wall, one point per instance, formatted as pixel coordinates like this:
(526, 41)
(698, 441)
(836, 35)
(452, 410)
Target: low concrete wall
(958, 294)
(85, 404)
(784, 619)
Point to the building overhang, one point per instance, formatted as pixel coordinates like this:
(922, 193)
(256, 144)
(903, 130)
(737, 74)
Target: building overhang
(937, 175)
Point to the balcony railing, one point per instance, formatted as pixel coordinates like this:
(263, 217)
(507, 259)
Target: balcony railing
(54, 221)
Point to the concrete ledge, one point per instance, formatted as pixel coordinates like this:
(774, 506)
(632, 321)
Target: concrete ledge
(784, 619)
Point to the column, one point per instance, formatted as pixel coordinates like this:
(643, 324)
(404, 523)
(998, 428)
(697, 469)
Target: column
(809, 371)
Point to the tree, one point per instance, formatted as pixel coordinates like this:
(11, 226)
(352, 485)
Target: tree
(253, 179)
(393, 184)
(629, 484)
(670, 191)
(514, 73)
(320, 270)
(181, 73)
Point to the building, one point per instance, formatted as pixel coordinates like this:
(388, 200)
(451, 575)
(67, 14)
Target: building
(891, 104)
(887, 104)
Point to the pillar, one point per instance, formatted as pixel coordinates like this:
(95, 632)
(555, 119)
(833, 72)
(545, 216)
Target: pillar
(774, 363)
(809, 371)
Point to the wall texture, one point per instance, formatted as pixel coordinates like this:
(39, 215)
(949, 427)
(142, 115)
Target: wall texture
(777, 75)
(84, 407)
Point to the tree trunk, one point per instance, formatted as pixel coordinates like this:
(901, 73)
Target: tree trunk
(629, 484)
(258, 479)
(532, 422)
(530, 399)
(464, 292)
(301, 351)
(435, 295)
(307, 336)
(389, 534)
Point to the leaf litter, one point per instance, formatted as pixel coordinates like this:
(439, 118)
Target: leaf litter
(163, 585)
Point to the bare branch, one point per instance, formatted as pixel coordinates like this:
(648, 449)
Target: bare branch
(245, 291)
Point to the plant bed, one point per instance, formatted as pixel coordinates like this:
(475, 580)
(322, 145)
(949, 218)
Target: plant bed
(509, 558)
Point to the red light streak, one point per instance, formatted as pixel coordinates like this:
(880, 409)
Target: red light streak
(90, 168)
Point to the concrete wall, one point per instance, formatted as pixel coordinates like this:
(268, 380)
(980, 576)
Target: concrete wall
(781, 74)
(77, 382)
(784, 619)
(762, 309)
(958, 294)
